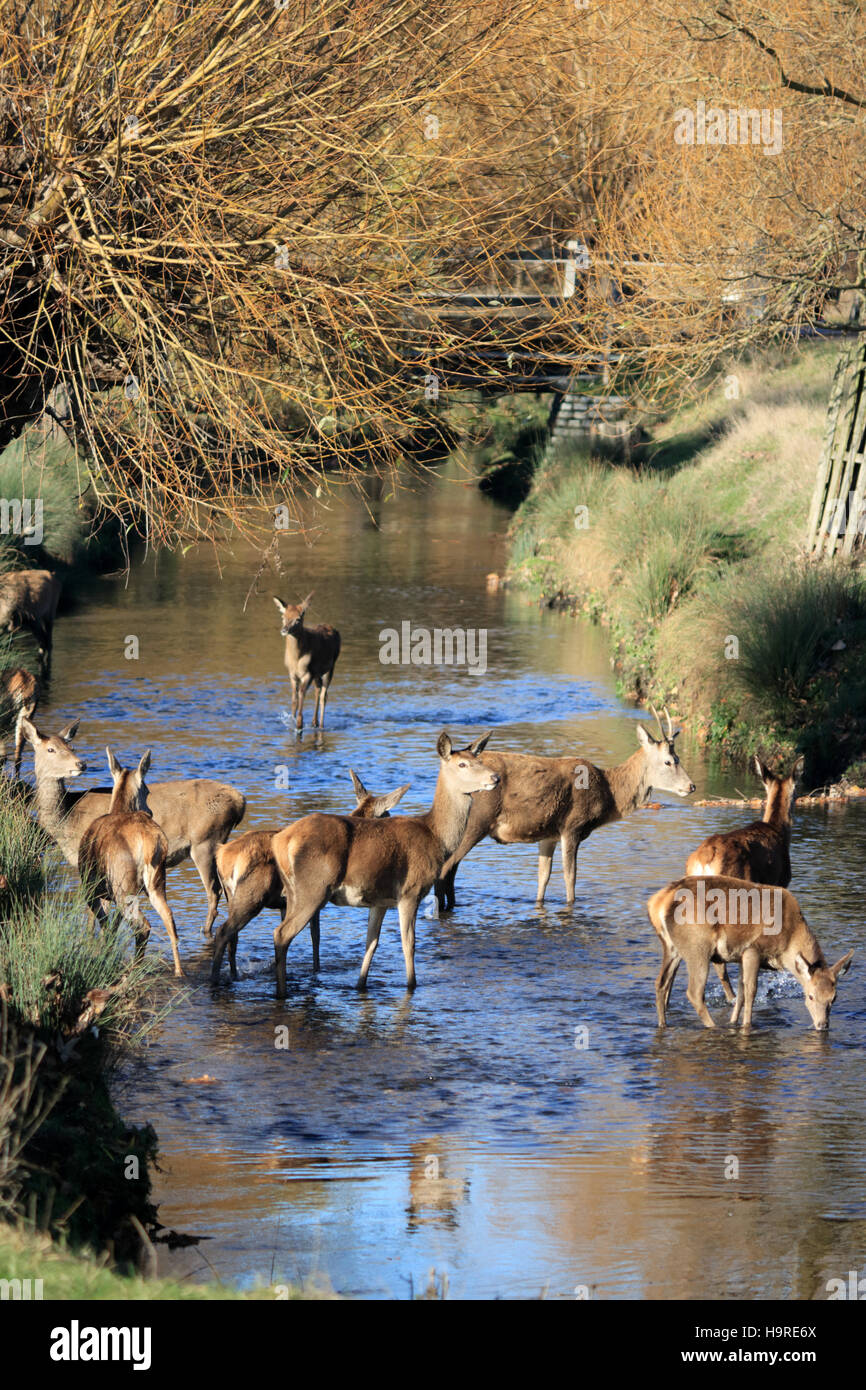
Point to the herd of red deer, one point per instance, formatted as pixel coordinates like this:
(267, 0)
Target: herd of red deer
(122, 839)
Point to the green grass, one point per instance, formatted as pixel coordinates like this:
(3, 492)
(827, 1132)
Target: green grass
(705, 542)
(68, 1275)
(22, 845)
(37, 469)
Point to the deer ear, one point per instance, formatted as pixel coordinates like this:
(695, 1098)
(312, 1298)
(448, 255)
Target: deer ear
(759, 767)
(360, 789)
(797, 769)
(801, 965)
(645, 737)
(71, 730)
(30, 732)
(383, 804)
(480, 743)
(842, 966)
(113, 765)
(280, 604)
(143, 765)
(306, 603)
(444, 746)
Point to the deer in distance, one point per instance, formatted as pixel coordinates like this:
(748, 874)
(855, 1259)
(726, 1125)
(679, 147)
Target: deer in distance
(376, 864)
(124, 851)
(251, 881)
(21, 691)
(758, 852)
(196, 815)
(539, 800)
(310, 656)
(29, 599)
(719, 919)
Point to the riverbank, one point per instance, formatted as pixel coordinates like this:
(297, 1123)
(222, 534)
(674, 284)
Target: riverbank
(695, 564)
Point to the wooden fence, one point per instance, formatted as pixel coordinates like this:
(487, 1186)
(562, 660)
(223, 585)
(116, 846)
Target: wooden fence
(837, 519)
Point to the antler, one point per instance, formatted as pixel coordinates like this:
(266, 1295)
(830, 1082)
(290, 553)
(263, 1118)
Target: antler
(670, 725)
(656, 714)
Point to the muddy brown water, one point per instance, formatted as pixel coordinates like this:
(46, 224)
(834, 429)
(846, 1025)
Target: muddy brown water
(465, 1134)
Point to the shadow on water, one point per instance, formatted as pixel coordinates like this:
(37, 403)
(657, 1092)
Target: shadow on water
(519, 1124)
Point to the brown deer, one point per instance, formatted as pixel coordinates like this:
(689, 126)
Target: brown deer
(124, 851)
(719, 919)
(376, 863)
(545, 800)
(20, 692)
(29, 599)
(196, 815)
(311, 655)
(759, 852)
(251, 881)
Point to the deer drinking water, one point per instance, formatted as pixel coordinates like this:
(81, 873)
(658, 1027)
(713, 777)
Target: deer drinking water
(29, 599)
(251, 881)
(376, 863)
(545, 800)
(124, 851)
(196, 815)
(310, 656)
(21, 691)
(718, 919)
(759, 852)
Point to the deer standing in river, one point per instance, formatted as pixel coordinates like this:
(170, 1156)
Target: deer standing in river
(21, 691)
(124, 851)
(196, 815)
(251, 881)
(718, 919)
(545, 800)
(310, 656)
(29, 599)
(759, 852)
(376, 863)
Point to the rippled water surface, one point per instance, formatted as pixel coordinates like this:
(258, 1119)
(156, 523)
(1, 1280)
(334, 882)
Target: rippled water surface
(465, 1130)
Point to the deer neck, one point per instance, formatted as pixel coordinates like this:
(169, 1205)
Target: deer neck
(448, 816)
(53, 804)
(777, 811)
(630, 782)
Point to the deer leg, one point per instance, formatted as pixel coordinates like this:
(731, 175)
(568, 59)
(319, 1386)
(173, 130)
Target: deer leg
(444, 890)
(699, 969)
(407, 909)
(131, 909)
(159, 902)
(722, 971)
(326, 681)
(204, 857)
(294, 684)
(738, 1005)
(291, 926)
(749, 967)
(545, 864)
(227, 935)
(664, 984)
(314, 938)
(303, 684)
(374, 927)
(568, 844)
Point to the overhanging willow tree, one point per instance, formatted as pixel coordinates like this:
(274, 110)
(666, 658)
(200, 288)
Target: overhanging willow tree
(217, 218)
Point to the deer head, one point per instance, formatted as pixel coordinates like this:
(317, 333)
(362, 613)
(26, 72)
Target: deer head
(819, 986)
(373, 807)
(464, 769)
(665, 772)
(293, 614)
(53, 754)
(130, 792)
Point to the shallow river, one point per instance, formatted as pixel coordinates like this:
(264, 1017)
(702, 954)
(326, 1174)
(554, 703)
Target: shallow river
(463, 1138)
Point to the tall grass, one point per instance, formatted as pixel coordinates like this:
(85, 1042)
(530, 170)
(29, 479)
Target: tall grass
(22, 846)
(789, 627)
(44, 470)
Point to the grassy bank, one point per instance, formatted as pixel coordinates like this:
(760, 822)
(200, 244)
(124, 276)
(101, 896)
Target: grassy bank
(695, 563)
